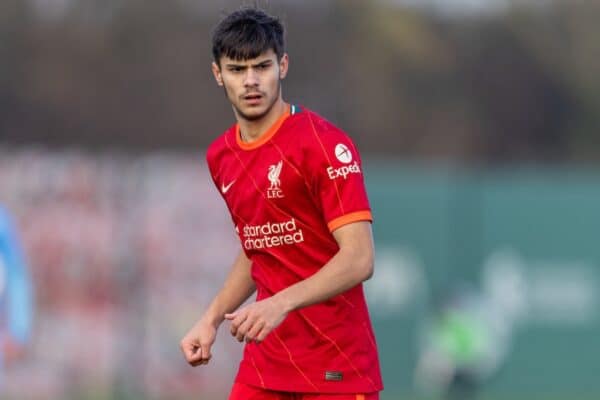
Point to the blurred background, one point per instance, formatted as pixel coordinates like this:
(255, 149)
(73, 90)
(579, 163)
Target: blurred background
(478, 122)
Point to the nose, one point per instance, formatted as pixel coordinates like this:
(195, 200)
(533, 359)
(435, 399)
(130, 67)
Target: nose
(251, 78)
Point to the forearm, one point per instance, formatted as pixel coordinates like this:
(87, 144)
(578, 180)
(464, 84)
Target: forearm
(238, 287)
(351, 265)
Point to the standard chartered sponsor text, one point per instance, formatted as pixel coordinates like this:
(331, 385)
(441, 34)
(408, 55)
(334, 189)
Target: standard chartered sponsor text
(271, 234)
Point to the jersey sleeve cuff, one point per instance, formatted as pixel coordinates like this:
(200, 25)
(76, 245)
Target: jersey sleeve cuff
(349, 218)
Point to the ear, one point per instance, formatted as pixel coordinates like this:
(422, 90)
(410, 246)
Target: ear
(283, 66)
(217, 73)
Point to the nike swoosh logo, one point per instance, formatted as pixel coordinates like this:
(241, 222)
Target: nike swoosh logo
(225, 189)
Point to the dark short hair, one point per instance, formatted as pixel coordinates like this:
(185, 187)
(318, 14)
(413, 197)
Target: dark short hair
(246, 34)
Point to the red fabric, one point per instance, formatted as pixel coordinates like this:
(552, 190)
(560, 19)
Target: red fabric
(282, 195)
(241, 391)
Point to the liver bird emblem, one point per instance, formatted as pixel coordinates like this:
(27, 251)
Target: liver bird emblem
(274, 172)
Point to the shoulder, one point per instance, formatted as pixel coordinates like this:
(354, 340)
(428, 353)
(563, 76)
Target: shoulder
(319, 125)
(219, 146)
(323, 138)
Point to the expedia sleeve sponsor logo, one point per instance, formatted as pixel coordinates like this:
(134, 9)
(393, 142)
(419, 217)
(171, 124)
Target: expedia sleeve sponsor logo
(271, 234)
(343, 172)
(343, 153)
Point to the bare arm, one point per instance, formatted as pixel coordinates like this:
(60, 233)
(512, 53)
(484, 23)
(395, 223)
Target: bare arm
(351, 265)
(237, 288)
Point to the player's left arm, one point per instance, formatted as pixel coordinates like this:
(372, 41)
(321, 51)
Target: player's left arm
(351, 265)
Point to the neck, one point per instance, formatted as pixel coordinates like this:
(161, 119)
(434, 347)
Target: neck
(253, 130)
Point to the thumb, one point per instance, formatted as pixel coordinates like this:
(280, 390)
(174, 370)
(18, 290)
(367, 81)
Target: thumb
(205, 351)
(191, 350)
(230, 316)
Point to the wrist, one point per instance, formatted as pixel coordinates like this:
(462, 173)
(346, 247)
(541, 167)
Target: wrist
(284, 300)
(212, 318)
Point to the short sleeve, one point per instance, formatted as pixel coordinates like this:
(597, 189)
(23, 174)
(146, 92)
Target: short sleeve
(337, 179)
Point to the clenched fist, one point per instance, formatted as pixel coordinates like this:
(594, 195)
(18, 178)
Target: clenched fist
(196, 344)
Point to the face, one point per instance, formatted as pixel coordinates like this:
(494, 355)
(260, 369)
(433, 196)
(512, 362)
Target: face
(252, 86)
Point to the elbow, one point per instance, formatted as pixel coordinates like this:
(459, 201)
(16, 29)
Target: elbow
(369, 269)
(366, 265)
(359, 264)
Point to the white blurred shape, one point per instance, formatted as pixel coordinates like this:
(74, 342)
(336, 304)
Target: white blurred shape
(546, 291)
(398, 281)
(504, 284)
(566, 293)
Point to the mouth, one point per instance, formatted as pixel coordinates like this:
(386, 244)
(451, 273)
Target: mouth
(252, 98)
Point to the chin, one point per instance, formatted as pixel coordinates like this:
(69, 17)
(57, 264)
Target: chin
(253, 114)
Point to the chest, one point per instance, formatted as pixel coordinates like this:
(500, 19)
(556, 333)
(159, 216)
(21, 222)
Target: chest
(265, 183)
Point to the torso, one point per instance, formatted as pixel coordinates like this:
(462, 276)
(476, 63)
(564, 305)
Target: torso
(286, 195)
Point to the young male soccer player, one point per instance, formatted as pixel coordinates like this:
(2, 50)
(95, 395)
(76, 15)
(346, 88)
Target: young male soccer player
(294, 186)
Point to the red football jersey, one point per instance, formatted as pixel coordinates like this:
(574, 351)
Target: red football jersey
(286, 193)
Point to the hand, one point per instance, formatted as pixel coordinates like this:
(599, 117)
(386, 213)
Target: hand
(255, 321)
(196, 344)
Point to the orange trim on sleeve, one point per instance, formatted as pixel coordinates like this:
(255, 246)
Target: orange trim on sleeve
(349, 218)
(264, 138)
(360, 397)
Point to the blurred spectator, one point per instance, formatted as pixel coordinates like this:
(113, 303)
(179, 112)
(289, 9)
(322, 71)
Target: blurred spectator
(113, 243)
(460, 348)
(15, 295)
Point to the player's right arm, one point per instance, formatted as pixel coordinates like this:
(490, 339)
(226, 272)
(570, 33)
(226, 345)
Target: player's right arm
(238, 286)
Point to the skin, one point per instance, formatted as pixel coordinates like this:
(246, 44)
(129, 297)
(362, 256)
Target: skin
(351, 265)
(261, 77)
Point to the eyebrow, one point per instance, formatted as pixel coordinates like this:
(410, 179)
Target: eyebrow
(232, 65)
